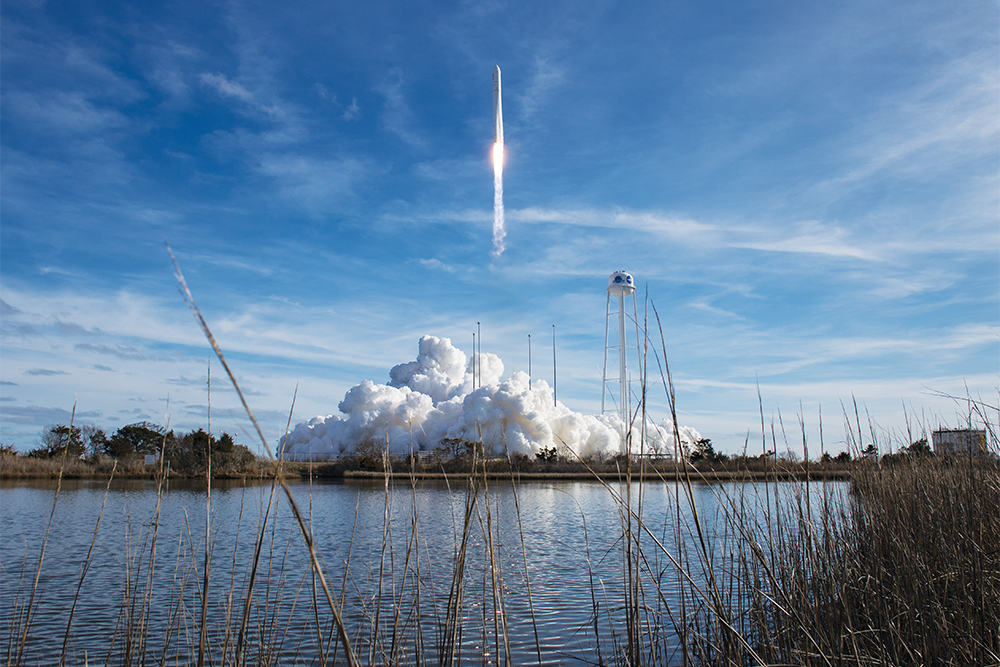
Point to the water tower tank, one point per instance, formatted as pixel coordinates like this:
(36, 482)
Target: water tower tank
(621, 284)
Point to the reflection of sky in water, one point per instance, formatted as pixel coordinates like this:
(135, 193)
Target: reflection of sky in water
(572, 554)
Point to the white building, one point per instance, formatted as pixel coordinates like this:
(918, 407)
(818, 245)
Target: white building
(959, 442)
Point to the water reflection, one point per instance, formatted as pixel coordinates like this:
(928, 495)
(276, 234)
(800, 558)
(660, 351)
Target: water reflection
(545, 559)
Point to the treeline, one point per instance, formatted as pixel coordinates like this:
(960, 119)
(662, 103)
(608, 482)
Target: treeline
(702, 454)
(462, 456)
(91, 449)
(186, 453)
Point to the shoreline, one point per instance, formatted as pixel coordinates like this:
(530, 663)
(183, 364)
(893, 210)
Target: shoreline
(615, 476)
(817, 474)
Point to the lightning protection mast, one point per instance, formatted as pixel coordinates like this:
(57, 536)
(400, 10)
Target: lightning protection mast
(617, 347)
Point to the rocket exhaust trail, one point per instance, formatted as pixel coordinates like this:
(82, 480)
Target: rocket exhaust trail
(499, 227)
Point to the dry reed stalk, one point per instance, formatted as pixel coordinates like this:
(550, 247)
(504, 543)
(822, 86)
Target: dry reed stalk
(312, 573)
(232, 580)
(376, 644)
(45, 541)
(203, 631)
(87, 562)
(514, 480)
(175, 604)
(279, 475)
(495, 568)
(258, 546)
(411, 560)
(449, 648)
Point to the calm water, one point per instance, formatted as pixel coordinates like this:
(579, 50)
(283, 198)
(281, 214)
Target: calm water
(391, 555)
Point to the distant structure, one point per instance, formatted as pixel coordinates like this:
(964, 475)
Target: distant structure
(614, 394)
(959, 442)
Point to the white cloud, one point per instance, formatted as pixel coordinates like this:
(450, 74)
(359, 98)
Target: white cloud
(313, 184)
(437, 264)
(546, 76)
(224, 86)
(63, 113)
(813, 238)
(352, 111)
(397, 115)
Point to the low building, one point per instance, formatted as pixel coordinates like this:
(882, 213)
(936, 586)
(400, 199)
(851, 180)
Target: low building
(959, 442)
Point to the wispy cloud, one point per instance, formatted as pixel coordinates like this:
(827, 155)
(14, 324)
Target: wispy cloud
(36, 414)
(221, 84)
(437, 264)
(7, 310)
(120, 351)
(812, 238)
(396, 115)
(650, 222)
(352, 111)
(74, 328)
(546, 76)
(316, 185)
(44, 371)
(169, 66)
(63, 113)
(186, 382)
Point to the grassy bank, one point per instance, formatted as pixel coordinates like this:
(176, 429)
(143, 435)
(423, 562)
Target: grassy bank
(13, 466)
(906, 571)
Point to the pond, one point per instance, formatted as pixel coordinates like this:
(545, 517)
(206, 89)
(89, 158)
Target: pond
(420, 572)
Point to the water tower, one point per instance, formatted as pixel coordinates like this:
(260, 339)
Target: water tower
(617, 348)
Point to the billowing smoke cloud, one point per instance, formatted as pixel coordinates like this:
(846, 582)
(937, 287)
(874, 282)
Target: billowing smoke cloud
(432, 398)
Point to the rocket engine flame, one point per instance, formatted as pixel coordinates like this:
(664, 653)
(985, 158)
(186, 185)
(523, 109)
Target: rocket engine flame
(499, 224)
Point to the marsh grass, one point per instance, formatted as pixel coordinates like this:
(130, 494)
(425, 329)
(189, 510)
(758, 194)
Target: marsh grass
(902, 571)
(13, 466)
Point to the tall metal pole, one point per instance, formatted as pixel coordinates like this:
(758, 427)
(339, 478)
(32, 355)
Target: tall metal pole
(604, 375)
(473, 360)
(479, 356)
(622, 379)
(529, 359)
(554, 401)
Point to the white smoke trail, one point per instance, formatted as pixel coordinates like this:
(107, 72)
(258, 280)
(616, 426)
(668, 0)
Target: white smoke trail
(499, 224)
(433, 398)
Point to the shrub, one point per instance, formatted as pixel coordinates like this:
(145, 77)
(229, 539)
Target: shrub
(135, 440)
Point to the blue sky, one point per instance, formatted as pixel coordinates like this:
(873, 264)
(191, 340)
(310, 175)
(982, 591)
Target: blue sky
(808, 193)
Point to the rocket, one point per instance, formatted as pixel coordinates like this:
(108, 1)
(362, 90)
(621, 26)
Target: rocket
(497, 109)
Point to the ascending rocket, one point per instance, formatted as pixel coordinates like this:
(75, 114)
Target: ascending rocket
(497, 110)
(499, 231)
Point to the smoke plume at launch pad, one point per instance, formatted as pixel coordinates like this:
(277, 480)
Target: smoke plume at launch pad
(432, 398)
